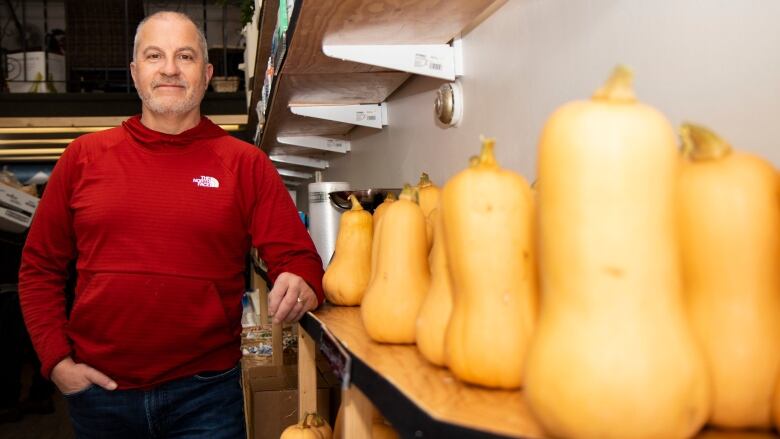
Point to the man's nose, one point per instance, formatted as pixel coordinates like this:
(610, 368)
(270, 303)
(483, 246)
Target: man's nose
(170, 67)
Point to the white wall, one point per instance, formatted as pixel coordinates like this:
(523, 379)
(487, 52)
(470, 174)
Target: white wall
(715, 62)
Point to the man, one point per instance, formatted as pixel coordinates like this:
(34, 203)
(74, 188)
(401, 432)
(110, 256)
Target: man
(160, 214)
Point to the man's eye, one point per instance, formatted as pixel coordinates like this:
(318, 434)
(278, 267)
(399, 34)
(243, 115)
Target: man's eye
(186, 57)
(154, 56)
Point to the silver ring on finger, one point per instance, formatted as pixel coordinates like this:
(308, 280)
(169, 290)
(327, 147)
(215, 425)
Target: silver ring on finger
(299, 300)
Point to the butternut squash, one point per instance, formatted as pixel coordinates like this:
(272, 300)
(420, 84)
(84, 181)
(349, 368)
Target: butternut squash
(347, 276)
(614, 355)
(380, 428)
(730, 231)
(428, 199)
(393, 298)
(378, 212)
(726, 434)
(776, 406)
(486, 212)
(437, 306)
(312, 426)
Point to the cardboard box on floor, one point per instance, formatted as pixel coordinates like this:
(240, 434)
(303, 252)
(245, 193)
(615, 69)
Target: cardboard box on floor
(271, 390)
(271, 394)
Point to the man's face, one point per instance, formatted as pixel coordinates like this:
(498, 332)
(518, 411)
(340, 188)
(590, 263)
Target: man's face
(169, 71)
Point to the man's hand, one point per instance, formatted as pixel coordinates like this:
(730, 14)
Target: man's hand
(71, 377)
(290, 298)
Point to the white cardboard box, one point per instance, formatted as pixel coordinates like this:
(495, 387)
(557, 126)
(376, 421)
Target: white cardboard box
(13, 198)
(13, 221)
(34, 82)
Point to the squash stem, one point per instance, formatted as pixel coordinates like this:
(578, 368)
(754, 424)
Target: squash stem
(409, 193)
(618, 88)
(486, 156)
(425, 181)
(355, 203)
(700, 143)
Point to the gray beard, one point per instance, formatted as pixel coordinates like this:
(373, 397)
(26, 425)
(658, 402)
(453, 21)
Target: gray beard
(179, 107)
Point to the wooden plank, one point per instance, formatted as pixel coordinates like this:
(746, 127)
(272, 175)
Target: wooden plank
(323, 89)
(342, 88)
(277, 344)
(99, 121)
(282, 121)
(310, 77)
(358, 414)
(433, 389)
(265, 36)
(374, 22)
(307, 375)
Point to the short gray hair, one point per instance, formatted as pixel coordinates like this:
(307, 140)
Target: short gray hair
(201, 37)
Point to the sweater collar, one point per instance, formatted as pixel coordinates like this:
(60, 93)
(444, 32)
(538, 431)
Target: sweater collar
(155, 140)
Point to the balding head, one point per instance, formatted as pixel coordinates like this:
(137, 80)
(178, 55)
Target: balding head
(172, 15)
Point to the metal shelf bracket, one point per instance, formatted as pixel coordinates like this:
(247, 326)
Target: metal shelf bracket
(294, 174)
(300, 161)
(332, 144)
(436, 60)
(368, 115)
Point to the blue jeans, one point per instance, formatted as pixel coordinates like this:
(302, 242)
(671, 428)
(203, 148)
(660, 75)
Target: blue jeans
(202, 406)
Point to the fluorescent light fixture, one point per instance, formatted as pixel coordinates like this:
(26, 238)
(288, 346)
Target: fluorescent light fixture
(50, 130)
(35, 141)
(30, 158)
(30, 151)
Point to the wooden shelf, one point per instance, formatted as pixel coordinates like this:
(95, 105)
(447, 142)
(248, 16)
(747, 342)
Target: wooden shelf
(307, 76)
(415, 395)
(270, 9)
(422, 400)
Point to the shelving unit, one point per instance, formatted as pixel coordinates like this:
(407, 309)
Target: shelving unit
(308, 77)
(419, 399)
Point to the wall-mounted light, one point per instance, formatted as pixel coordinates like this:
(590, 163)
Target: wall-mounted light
(448, 105)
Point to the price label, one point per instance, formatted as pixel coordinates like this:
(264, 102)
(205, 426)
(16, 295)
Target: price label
(338, 358)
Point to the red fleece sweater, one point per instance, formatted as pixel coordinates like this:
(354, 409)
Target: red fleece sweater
(160, 226)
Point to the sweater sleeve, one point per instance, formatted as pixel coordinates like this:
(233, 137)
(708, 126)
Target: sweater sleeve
(50, 246)
(278, 233)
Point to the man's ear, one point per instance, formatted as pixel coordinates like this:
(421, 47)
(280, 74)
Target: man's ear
(209, 73)
(132, 70)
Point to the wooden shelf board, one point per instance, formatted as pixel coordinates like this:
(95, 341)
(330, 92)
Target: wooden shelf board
(303, 152)
(342, 88)
(374, 22)
(435, 390)
(267, 24)
(323, 89)
(309, 77)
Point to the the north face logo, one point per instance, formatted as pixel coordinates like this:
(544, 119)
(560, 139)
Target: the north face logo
(206, 181)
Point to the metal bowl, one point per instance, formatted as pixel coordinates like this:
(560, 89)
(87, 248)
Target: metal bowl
(368, 198)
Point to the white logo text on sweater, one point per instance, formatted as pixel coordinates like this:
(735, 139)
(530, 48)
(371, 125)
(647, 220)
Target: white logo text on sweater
(206, 181)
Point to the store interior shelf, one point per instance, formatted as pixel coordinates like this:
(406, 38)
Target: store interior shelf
(309, 77)
(268, 15)
(416, 396)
